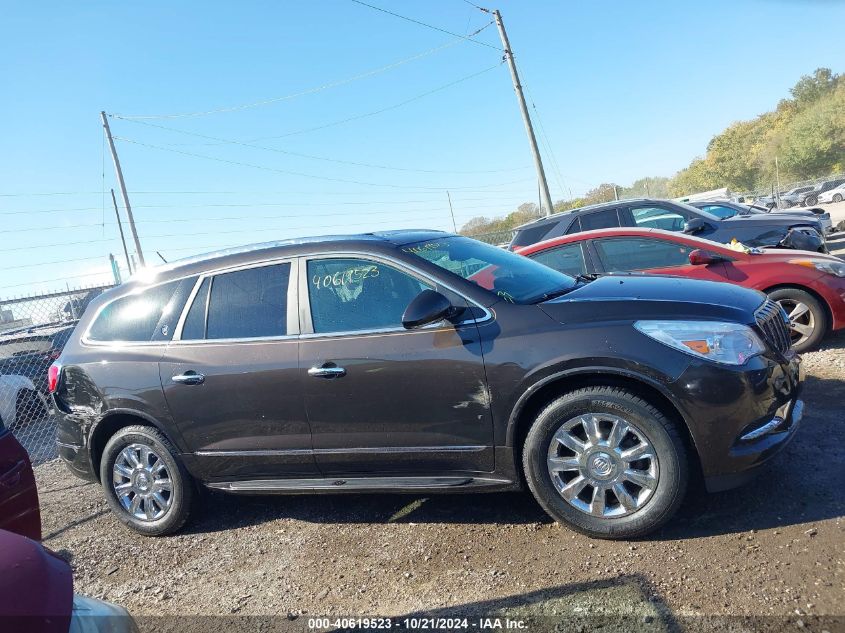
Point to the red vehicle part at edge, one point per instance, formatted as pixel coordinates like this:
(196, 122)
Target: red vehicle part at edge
(36, 587)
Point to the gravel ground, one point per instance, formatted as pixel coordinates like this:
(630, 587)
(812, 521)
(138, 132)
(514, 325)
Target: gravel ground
(775, 547)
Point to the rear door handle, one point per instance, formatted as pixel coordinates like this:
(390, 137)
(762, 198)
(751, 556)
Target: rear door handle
(190, 377)
(327, 372)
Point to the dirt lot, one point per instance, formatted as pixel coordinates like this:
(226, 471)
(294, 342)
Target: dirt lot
(775, 547)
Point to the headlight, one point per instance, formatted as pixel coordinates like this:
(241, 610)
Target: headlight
(824, 265)
(721, 342)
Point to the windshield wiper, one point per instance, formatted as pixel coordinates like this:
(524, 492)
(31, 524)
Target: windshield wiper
(546, 296)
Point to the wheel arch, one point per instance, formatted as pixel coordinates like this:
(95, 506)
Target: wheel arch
(556, 385)
(110, 424)
(788, 286)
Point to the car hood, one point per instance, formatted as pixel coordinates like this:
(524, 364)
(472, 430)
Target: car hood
(640, 296)
(772, 219)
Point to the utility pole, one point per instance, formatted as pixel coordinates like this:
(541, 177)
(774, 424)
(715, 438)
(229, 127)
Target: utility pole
(532, 140)
(123, 189)
(452, 211)
(120, 227)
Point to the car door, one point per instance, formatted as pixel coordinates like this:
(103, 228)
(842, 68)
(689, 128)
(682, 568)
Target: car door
(655, 256)
(382, 399)
(231, 375)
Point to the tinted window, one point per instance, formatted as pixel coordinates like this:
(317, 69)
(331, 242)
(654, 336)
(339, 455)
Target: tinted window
(658, 218)
(575, 228)
(145, 316)
(249, 303)
(349, 295)
(194, 327)
(567, 259)
(627, 254)
(531, 234)
(599, 220)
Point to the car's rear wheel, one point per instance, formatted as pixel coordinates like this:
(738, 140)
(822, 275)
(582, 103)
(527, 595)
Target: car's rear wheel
(145, 482)
(606, 463)
(837, 197)
(808, 322)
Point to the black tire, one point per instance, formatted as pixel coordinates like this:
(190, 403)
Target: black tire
(810, 201)
(182, 493)
(837, 197)
(821, 322)
(663, 435)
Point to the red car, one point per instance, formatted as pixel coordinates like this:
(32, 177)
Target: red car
(809, 286)
(18, 496)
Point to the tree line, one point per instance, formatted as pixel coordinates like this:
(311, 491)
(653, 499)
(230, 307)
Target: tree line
(801, 139)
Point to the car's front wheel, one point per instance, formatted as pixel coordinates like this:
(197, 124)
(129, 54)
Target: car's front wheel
(808, 322)
(145, 482)
(810, 201)
(837, 197)
(606, 462)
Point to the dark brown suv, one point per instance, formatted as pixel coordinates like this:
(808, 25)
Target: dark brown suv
(421, 361)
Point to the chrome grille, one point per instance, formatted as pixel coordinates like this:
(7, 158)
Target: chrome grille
(774, 325)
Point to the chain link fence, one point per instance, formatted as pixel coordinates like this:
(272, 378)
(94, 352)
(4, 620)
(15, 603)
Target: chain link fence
(33, 332)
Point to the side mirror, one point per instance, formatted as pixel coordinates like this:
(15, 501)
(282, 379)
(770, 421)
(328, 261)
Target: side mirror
(427, 307)
(699, 257)
(696, 225)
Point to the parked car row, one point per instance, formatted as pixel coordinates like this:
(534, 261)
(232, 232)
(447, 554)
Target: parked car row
(763, 230)
(419, 361)
(808, 195)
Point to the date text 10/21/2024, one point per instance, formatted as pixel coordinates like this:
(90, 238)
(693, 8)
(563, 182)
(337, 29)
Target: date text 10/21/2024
(418, 623)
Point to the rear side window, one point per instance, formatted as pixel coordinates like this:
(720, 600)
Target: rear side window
(249, 303)
(600, 220)
(567, 259)
(149, 315)
(531, 234)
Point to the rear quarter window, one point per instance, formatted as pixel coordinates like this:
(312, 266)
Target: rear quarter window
(532, 234)
(149, 315)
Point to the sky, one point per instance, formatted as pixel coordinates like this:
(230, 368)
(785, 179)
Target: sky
(269, 119)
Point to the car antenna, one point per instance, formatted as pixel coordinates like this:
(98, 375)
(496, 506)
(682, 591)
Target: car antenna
(162, 257)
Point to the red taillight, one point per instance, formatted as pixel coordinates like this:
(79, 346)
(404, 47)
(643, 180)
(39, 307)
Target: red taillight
(53, 377)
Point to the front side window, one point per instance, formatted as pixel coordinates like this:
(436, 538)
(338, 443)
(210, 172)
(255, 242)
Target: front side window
(628, 254)
(350, 295)
(512, 277)
(149, 315)
(567, 259)
(249, 303)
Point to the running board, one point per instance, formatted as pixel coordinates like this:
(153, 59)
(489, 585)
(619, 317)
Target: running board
(358, 484)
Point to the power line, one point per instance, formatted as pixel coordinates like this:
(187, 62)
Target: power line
(44, 281)
(430, 26)
(60, 261)
(323, 158)
(295, 95)
(365, 115)
(304, 174)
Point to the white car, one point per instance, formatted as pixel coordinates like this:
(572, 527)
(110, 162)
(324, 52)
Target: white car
(837, 194)
(20, 401)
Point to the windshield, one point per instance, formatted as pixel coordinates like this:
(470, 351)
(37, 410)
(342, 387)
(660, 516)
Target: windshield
(512, 277)
(697, 212)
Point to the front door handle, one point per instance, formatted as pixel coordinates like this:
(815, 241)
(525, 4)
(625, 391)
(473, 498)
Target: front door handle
(190, 377)
(327, 371)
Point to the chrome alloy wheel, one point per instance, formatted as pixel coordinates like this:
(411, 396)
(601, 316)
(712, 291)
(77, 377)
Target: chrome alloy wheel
(603, 465)
(802, 323)
(142, 483)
